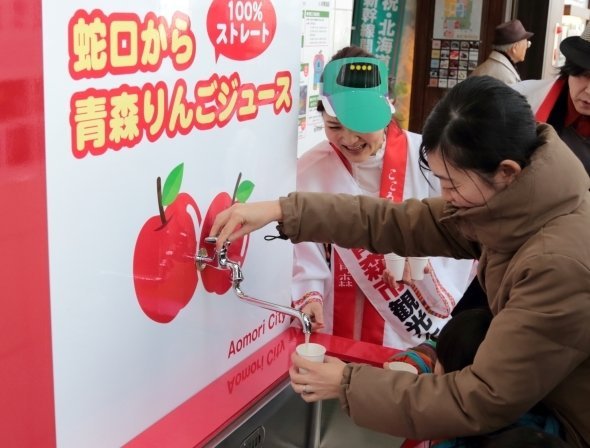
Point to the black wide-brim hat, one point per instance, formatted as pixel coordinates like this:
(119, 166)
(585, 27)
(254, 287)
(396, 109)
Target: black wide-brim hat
(576, 49)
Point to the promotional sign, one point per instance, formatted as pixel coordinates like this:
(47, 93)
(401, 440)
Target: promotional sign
(378, 29)
(158, 115)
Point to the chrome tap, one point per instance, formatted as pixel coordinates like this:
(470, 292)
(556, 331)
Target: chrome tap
(202, 259)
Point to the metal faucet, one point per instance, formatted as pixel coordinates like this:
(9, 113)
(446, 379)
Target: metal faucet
(202, 259)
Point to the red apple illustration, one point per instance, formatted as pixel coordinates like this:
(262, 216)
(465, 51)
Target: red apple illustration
(164, 272)
(218, 280)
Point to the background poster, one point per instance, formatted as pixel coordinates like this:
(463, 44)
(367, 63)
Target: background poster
(457, 19)
(316, 51)
(378, 30)
(194, 93)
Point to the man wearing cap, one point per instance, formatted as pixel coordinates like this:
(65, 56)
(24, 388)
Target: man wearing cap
(564, 102)
(510, 44)
(345, 290)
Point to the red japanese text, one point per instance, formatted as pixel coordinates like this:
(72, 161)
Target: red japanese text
(121, 43)
(116, 118)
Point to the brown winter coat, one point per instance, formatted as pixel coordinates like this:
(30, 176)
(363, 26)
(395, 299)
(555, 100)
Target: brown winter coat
(533, 242)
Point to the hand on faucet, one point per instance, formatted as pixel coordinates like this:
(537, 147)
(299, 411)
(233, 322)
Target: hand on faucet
(241, 219)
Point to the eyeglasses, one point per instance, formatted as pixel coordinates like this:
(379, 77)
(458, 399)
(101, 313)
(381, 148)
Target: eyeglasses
(528, 44)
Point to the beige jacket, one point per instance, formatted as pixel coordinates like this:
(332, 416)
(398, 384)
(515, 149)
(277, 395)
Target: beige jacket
(533, 241)
(497, 66)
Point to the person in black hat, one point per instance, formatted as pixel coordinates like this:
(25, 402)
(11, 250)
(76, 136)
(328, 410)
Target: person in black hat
(510, 44)
(564, 102)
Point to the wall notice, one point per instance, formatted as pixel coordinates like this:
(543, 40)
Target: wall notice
(316, 51)
(457, 19)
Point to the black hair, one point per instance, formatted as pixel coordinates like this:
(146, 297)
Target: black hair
(572, 69)
(459, 339)
(479, 123)
(524, 437)
(352, 51)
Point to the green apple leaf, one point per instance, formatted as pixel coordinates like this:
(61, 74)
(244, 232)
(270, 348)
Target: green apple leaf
(244, 191)
(172, 185)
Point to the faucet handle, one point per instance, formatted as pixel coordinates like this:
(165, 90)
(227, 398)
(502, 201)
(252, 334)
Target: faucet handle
(211, 239)
(203, 258)
(217, 257)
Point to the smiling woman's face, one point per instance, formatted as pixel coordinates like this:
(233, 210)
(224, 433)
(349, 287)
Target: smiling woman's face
(355, 146)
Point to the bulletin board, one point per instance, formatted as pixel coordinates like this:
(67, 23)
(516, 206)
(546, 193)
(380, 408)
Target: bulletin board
(452, 61)
(455, 41)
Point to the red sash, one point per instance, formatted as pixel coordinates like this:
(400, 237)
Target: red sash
(547, 105)
(393, 177)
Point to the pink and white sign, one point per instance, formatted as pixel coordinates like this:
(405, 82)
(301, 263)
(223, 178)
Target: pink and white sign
(143, 121)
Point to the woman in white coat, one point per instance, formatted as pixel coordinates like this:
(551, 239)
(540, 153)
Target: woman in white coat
(345, 290)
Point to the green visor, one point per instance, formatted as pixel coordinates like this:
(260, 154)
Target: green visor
(355, 91)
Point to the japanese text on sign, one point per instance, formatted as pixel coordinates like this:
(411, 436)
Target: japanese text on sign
(402, 303)
(379, 26)
(241, 29)
(103, 119)
(122, 43)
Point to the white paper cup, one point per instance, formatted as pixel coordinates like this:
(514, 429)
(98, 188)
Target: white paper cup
(403, 366)
(417, 265)
(395, 264)
(311, 351)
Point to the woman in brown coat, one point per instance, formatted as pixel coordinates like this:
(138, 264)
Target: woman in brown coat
(514, 196)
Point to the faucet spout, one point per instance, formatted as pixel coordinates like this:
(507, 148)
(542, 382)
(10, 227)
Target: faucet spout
(303, 318)
(237, 277)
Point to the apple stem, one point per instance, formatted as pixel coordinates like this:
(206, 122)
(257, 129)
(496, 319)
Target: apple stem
(233, 199)
(160, 205)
